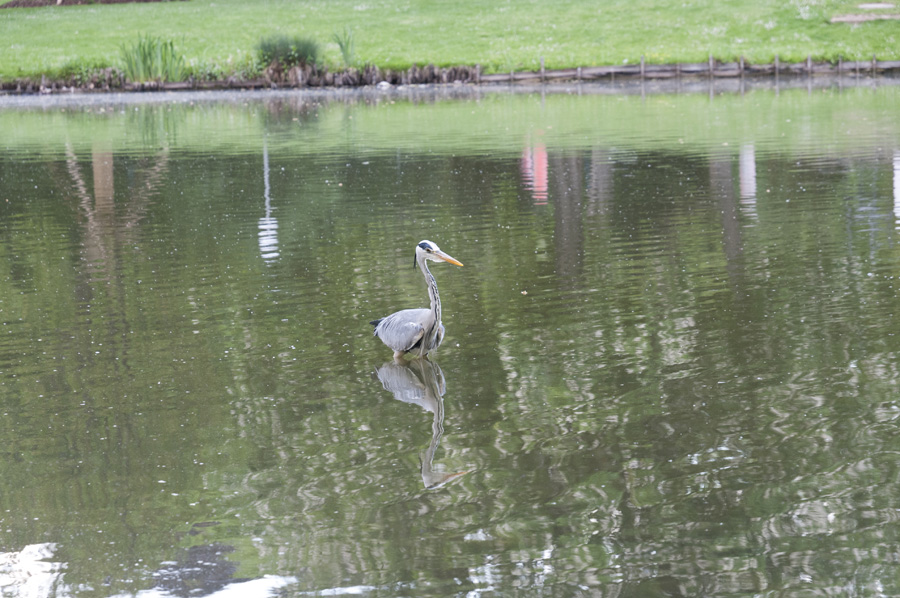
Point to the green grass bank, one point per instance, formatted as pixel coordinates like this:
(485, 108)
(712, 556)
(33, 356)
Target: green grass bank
(218, 38)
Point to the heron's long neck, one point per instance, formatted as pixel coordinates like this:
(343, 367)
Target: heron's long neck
(432, 292)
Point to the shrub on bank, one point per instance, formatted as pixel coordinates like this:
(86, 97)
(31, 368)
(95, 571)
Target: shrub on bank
(288, 51)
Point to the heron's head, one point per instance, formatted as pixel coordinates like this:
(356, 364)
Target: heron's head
(426, 250)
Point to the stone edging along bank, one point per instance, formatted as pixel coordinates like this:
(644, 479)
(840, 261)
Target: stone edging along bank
(308, 76)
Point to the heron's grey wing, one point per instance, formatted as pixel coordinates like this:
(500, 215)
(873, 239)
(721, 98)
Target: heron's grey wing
(402, 330)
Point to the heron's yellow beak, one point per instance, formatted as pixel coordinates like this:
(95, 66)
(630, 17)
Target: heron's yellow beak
(447, 258)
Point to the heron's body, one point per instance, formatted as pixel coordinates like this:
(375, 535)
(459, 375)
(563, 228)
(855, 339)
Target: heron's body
(417, 331)
(410, 331)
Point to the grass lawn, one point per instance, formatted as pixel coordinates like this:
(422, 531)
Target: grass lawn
(221, 35)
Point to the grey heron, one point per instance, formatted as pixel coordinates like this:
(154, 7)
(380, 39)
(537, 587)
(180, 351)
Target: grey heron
(417, 331)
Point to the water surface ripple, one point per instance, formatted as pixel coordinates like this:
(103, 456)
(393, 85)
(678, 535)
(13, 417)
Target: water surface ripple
(670, 366)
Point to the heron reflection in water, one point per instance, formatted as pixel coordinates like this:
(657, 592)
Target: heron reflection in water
(417, 331)
(421, 382)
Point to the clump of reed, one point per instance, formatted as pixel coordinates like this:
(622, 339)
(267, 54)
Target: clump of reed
(288, 51)
(345, 44)
(153, 59)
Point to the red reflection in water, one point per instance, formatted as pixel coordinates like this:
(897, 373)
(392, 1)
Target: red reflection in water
(534, 171)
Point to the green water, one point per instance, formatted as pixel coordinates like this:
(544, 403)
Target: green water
(670, 368)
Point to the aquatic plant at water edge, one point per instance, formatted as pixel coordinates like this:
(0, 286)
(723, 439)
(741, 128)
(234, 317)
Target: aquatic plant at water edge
(345, 43)
(288, 51)
(152, 59)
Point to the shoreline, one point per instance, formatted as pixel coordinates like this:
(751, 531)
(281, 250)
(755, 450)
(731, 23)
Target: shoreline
(110, 80)
(104, 99)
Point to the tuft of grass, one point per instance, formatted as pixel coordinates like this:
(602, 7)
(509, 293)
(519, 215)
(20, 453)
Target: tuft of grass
(153, 59)
(345, 44)
(288, 51)
(249, 67)
(81, 71)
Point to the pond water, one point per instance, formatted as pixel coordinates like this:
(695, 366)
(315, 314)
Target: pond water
(670, 365)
